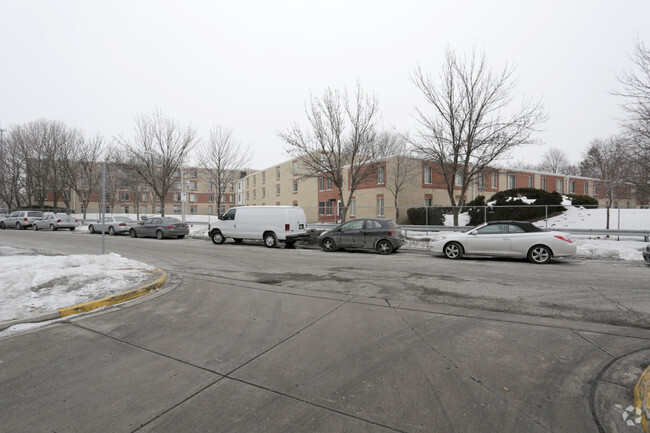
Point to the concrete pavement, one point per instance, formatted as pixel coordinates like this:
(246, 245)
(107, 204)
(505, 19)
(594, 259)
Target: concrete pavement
(212, 354)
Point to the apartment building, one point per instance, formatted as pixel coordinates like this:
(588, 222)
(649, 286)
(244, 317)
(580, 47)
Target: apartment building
(282, 184)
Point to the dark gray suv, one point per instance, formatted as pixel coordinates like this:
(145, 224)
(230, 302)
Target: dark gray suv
(20, 219)
(379, 234)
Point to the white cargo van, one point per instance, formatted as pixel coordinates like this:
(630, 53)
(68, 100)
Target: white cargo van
(268, 223)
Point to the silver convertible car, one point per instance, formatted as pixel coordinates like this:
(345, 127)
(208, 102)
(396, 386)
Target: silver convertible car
(507, 239)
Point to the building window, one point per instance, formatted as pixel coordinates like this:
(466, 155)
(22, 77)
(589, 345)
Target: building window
(428, 201)
(210, 186)
(126, 209)
(277, 172)
(232, 186)
(596, 189)
(586, 188)
(512, 181)
(321, 183)
(254, 180)
(329, 184)
(458, 179)
(194, 173)
(295, 186)
(295, 167)
(558, 185)
(572, 187)
(194, 198)
(177, 210)
(495, 180)
(380, 175)
(531, 181)
(144, 197)
(544, 183)
(380, 206)
(194, 210)
(124, 196)
(210, 198)
(177, 197)
(209, 210)
(329, 207)
(481, 181)
(428, 175)
(263, 192)
(193, 185)
(321, 208)
(263, 177)
(277, 189)
(247, 182)
(247, 196)
(254, 193)
(353, 207)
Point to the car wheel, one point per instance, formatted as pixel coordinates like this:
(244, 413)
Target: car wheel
(111, 231)
(180, 236)
(384, 247)
(238, 240)
(52, 228)
(35, 227)
(453, 250)
(132, 233)
(328, 245)
(2, 225)
(19, 227)
(270, 240)
(159, 235)
(217, 238)
(71, 229)
(91, 229)
(540, 254)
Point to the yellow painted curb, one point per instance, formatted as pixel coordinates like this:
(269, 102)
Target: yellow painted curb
(642, 399)
(116, 299)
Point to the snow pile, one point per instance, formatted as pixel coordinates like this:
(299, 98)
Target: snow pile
(33, 284)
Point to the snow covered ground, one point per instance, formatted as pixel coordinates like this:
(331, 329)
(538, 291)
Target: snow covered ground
(33, 282)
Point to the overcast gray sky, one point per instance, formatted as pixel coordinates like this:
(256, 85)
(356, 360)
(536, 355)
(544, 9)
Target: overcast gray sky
(252, 65)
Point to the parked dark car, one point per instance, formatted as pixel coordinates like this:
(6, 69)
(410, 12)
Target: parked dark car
(646, 254)
(381, 235)
(160, 227)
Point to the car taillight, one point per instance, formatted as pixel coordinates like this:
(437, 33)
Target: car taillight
(121, 224)
(562, 238)
(391, 232)
(58, 221)
(25, 219)
(170, 227)
(287, 227)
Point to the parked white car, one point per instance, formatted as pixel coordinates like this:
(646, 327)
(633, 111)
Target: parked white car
(56, 221)
(20, 219)
(112, 225)
(268, 223)
(508, 239)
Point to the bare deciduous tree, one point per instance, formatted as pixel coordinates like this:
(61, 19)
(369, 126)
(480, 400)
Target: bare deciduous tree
(471, 122)
(342, 135)
(160, 146)
(605, 160)
(636, 94)
(84, 170)
(222, 158)
(555, 161)
(12, 171)
(401, 168)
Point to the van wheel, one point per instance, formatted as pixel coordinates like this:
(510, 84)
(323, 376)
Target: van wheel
(270, 240)
(217, 238)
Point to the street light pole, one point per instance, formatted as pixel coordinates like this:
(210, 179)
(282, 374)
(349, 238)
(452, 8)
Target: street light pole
(182, 196)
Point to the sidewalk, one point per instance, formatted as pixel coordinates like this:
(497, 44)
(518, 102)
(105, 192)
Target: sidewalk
(207, 354)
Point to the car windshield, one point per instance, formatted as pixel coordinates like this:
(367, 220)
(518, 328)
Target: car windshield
(123, 219)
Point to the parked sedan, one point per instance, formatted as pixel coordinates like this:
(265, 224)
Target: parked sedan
(112, 225)
(381, 235)
(160, 227)
(508, 239)
(56, 221)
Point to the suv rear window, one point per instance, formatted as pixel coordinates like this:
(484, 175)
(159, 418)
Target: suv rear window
(34, 214)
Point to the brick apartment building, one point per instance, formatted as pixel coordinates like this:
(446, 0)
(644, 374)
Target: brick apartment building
(281, 184)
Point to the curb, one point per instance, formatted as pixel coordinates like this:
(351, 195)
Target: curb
(92, 305)
(642, 399)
